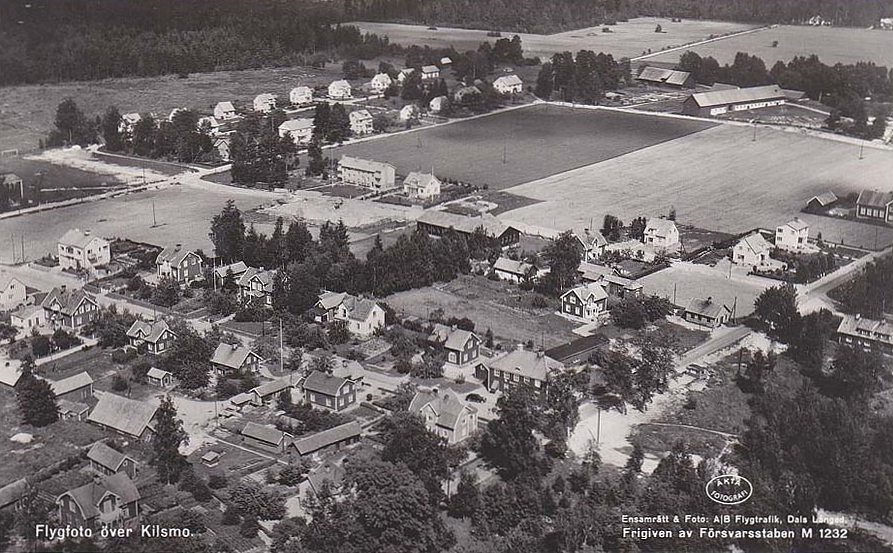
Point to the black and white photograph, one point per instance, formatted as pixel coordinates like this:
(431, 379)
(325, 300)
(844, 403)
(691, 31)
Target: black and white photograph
(446, 276)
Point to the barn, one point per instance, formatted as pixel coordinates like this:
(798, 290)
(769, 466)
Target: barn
(718, 102)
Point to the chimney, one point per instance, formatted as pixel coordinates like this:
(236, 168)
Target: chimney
(709, 299)
(64, 288)
(858, 316)
(234, 346)
(454, 328)
(87, 232)
(540, 354)
(520, 347)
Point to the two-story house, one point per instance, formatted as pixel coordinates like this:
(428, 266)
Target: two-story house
(380, 82)
(177, 263)
(301, 95)
(265, 102)
(423, 186)
(519, 367)
(69, 309)
(155, 337)
(755, 251)
(461, 346)
(361, 122)
(868, 334)
(593, 243)
(662, 235)
(224, 111)
(587, 302)
(445, 414)
(257, 284)
(792, 236)
(108, 501)
(329, 392)
(235, 359)
(339, 90)
(81, 250)
(108, 461)
(509, 84)
(363, 316)
(13, 292)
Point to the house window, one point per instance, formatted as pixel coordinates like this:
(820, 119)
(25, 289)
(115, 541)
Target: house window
(312, 397)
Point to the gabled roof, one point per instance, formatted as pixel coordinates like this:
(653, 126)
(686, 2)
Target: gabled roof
(452, 338)
(106, 456)
(446, 405)
(347, 368)
(328, 437)
(265, 276)
(507, 265)
(416, 179)
(10, 372)
(232, 356)
(738, 95)
(797, 224)
(225, 106)
(464, 224)
(706, 308)
(359, 309)
(328, 471)
(75, 407)
(270, 388)
(150, 332)
(530, 364)
(13, 492)
(330, 300)
(363, 164)
(592, 291)
(157, 373)
(174, 255)
(122, 414)
(382, 77)
(340, 84)
(824, 199)
(660, 227)
(591, 238)
(236, 269)
(430, 69)
(68, 300)
(594, 273)
(78, 238)
(756, 243)
(881, 331)
(360, 115)
(322, 383)
(90, 495)
(70, 384)
(10, 178)
(508, 80)
(265, 97)
(667, 76)
(874, 198)
(294, 125)
(263, 433)
(302, 90)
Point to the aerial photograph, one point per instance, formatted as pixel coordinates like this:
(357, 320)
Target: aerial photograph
(446, 276)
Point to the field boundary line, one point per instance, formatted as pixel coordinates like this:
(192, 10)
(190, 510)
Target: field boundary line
(702, 42)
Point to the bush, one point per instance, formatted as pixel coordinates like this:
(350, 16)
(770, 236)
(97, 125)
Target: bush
(121, 356)
(217, 482)
(539, 301)
(41, 346)
(231, 516)
(64, 340)
(119, 384)
(249, 528)
(293, 474)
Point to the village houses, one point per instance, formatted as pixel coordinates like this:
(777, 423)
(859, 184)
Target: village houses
(179, 264)
(662, 235)
(300, 130)
(445, 414)
(329, 392)
(339, 90)
(363, 316)
(257, 284)
(361, 122)
(380, 82)
(81, 250)
(754, 251)
(224, 111)
(423, 186)
(301, 95)
(154, 338)
(69, 309)
(509, 84)
(461, 346)
(235, 359)
(587, 302)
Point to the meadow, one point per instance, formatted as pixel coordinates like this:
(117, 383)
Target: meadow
(718, 179)
(521, 145)
(831, 44)
(627, 39)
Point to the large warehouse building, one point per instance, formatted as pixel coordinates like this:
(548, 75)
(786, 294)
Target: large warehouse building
(706, 104)
(666, 77)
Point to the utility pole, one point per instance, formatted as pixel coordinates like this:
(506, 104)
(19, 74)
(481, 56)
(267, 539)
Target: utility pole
(281, 353)
(154, 222)
(23, 244)
(862, 150)
(674, 293)
(12, 238)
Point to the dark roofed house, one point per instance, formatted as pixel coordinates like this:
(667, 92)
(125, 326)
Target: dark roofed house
(159, 377)
(445, 414)
(235, 359)
(875, 206)
(257, 284)
(821, 202)
(72, 410)
(236, 270)
(107, 501)
(11, 495)
(181, 265)
(462, 346)
(265, 437)
(707, 313)
(514, 271)
(128, 417)
(327, 472)
(155, 337)
(267, 393)
(78, 387)
(519, 367)
(329, 392)
(436, 223)
(666, 77)
(868, 334)
(331, 439)
(69, 309)
(105, 460)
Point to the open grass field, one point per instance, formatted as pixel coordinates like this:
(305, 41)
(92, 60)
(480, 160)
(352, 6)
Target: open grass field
(503, 307)
(40, 175)
(718, 179)
(27, 112)
(629, 39)
(536, 141)
(831, 44)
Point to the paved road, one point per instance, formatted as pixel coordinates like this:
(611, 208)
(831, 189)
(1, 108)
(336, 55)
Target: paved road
(721, 339)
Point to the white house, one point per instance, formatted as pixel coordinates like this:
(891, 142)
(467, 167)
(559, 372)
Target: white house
(81, 250)
(445, 61)
(128, 122)
(300, 130)
(363, 316)
(792, 236)
(421, 185)
(12, 291)
(265, 102)
(224, 111)
(593, 243)
(404, 74)
(366, 173)
(510, 84)
(445, 414)
(514, 271)
(339, 90)
(430, 72)
(409, 112)
(585, 302)
(754, 251)
(438, 104)
(380, 82)
(662, 235)
(301, 95)
(361, 122)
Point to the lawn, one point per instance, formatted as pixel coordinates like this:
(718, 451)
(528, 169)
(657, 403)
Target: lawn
(687, 281)
(500, 306)
(628, 39)
(831, 44)
(521, 145)
(718, 179)
(43, 180)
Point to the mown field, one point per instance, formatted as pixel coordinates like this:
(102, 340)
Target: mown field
(718, 179)
(521, 145)
(832, 45)
(629, 39)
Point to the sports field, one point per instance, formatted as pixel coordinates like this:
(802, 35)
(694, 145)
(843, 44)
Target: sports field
(831, 44)
(521, 145)
(718, 179)
(628, 39)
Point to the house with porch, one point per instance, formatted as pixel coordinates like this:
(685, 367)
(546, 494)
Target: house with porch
(108, 501)
(445, 414)
(380, 82)
(754, 251)
(69, 309)
(179, 264)
(155, 337)
(257, 284)
(301, 95)
(339, 90)
(509, 84)
(423, 186)
(81, 250)
(461, 346)
(363, 316)
(586, 303)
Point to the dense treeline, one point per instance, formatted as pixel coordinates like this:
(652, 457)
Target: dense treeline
(45, 41)
(535, 16)
(582, 78)
(871, 292)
